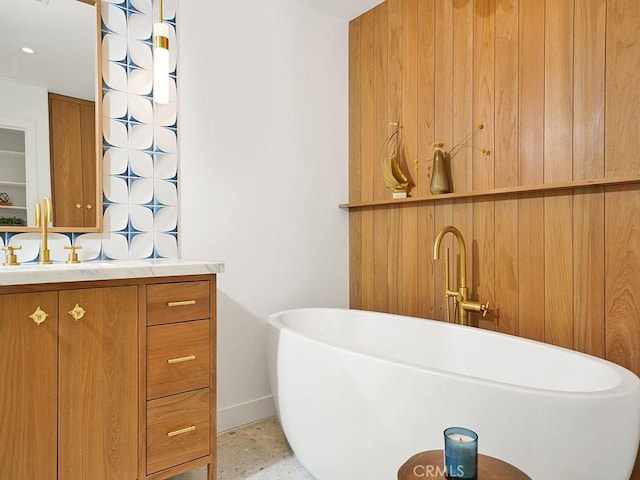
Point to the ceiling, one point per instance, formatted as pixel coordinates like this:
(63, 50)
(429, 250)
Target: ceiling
(346, 9)
(62, 32)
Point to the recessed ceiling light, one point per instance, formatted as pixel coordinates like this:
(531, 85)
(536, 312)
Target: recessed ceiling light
(28, 50)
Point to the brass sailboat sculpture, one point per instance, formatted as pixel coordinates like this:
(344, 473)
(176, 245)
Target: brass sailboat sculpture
(394, 178)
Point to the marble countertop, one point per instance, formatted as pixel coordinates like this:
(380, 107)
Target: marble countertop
(31, 273)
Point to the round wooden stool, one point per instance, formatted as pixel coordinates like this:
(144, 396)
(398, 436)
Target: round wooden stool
(430, 466)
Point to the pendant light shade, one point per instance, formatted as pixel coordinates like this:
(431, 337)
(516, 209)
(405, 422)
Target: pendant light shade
(161, 61)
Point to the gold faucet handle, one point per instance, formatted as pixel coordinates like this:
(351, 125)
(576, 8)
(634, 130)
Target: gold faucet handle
(11, 258)
(484, 309)
(73, 256)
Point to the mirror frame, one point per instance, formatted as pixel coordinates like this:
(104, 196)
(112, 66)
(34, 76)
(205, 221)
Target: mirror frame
(99, 147)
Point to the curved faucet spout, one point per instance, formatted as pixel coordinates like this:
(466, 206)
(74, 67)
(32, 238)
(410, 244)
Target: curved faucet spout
(461, 296)
(461, 246)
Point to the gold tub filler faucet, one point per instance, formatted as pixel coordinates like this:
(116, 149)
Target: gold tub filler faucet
(461, 296)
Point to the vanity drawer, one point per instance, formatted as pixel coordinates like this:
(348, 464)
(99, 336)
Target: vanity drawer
(177, 302)
(177, 358)
(177, 429)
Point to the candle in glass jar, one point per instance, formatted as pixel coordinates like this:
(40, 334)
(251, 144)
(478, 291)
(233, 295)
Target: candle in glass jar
(460, 453)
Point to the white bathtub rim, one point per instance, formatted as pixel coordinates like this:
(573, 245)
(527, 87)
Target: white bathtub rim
(628, 382)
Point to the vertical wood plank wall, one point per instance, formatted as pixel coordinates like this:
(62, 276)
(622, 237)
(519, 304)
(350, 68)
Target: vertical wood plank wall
(555, 83)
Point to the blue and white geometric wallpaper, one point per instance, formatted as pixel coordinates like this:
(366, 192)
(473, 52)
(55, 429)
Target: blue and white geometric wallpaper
(139, 143)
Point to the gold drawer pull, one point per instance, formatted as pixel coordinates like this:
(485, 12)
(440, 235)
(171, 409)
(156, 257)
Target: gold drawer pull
(181, 431)
(39, 316)
(181, 359)
(182, 303)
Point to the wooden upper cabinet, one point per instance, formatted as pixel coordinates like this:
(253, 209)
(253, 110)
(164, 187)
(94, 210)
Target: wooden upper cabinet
(73, 161)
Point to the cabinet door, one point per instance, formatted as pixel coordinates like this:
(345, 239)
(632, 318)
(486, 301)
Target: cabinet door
(98, 392)
(73, 160)
(89, 187)
(28, 379)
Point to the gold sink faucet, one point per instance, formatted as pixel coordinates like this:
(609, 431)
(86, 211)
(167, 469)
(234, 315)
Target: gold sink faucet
(43, 218)
(461, 296)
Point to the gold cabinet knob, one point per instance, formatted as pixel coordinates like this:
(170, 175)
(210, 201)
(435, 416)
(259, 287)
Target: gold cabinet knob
(77, 312)
(78, 205)
(89, 206)
(39, 316)
(11, 258)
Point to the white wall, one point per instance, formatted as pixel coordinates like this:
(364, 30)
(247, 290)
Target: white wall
(263, 135)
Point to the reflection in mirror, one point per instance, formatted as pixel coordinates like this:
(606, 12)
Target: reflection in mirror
(48, 126)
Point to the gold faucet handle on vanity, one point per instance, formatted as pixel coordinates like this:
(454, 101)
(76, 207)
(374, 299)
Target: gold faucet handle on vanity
(11, 258)
(73, 256)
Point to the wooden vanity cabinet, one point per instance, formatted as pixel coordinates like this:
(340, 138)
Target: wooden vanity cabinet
(95, 388)
(69, 405)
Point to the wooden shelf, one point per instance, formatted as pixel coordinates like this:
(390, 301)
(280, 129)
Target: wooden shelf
(549, 187)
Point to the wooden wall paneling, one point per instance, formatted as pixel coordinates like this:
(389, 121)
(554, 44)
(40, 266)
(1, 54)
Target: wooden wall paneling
(531, 319)
(484, 95)
(443, 120)
(505, 148)
(531, 81)
(558, 83)
(588, 267)
(622, 276)
(409, 116)
(558, 269)
(622, 92)
(622, 280)
(367, 152)
(426, 135)
(507, 291)
(463, 124)
(588, 162)
(426, 266)
(355, 166)
(588, 99)
(531, 266)
(558, 166)
(505, 154)
(482, 284)
(384, 246)
(462, 121)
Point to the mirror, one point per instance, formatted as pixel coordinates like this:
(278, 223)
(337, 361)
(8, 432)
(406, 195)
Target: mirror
(50, 122)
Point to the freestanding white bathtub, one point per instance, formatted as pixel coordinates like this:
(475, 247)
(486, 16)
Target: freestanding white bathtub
(358, 393)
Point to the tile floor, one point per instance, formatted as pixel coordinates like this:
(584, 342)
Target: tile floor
(257, 452)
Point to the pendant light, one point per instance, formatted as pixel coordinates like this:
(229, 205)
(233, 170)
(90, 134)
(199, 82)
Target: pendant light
(161, 59)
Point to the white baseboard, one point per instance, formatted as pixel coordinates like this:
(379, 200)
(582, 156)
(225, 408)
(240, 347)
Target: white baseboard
(244, 413)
